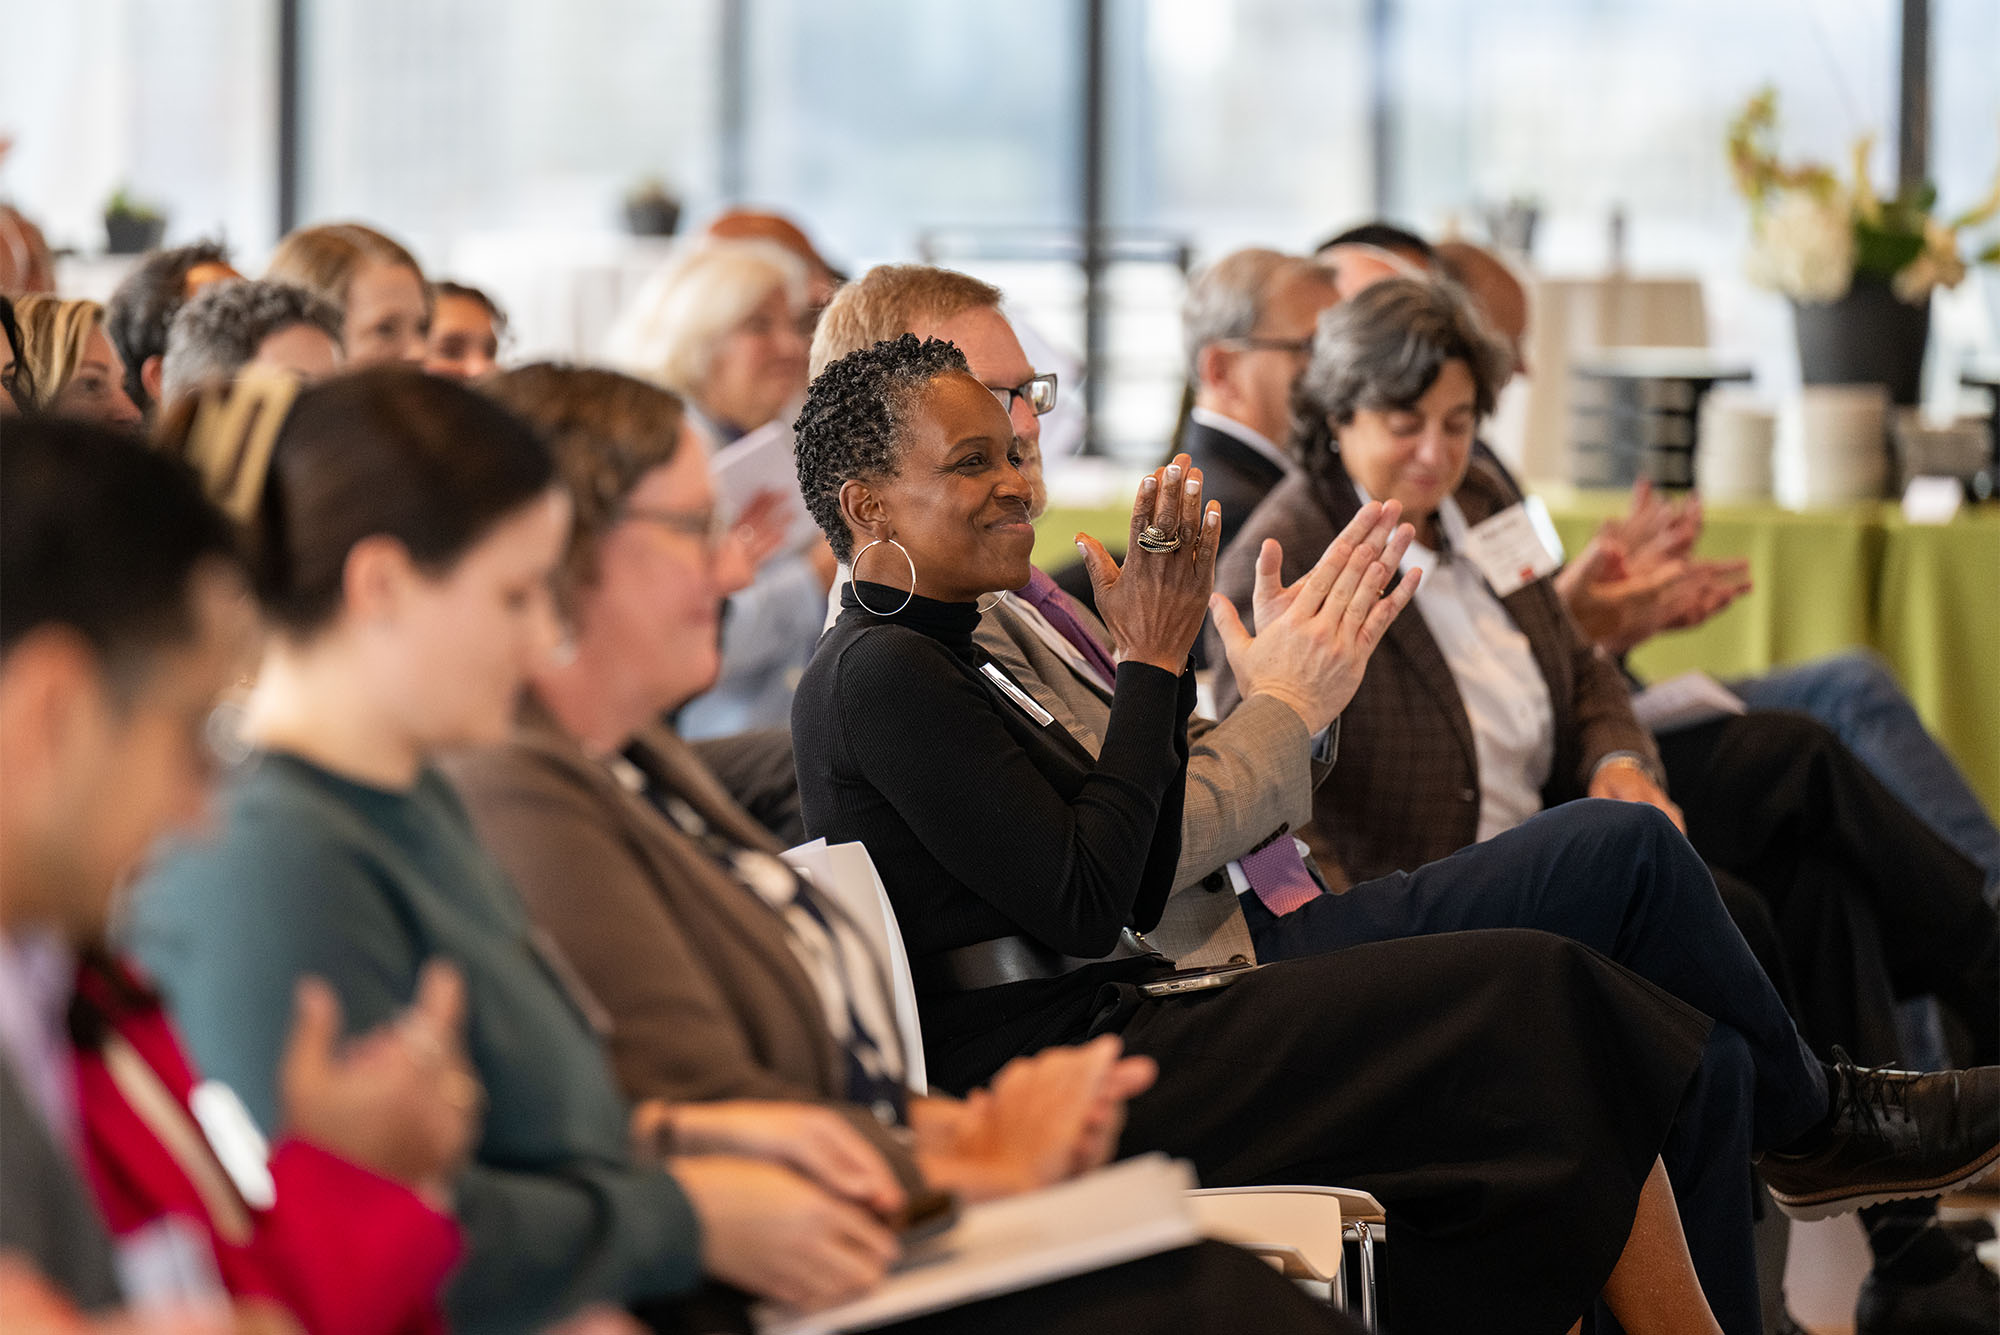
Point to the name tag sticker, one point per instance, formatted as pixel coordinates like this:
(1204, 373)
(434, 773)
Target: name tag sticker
(1024, 701)
(1512, 549)
(1932, 500)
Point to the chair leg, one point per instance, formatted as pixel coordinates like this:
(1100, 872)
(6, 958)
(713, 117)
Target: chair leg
(1364, 1237)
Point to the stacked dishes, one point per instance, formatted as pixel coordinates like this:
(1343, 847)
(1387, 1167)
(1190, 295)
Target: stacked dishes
(1738, 438)
(1833, 445)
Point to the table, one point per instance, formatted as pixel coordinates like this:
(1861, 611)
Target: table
(1926, 597)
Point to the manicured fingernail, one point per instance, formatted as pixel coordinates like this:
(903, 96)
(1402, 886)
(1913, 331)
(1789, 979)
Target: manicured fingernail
(1173, 472)
(1212, 518)
(1193, 487)
(1149, 484)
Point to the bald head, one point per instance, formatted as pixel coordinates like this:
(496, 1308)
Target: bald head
(755, 225)
(1496, 292)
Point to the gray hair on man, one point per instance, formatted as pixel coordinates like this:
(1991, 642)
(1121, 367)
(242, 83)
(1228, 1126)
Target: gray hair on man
(1226, 299)
(218, 331)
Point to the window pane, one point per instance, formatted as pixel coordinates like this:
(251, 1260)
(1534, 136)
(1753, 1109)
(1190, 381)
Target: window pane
(173, 99)
(877, 119)
(1586, 107)
(1239, 122)
(452, 117)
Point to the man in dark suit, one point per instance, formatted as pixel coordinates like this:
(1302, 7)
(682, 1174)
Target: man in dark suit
(1247, 324)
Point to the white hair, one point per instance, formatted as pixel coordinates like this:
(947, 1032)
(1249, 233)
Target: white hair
(668, 334)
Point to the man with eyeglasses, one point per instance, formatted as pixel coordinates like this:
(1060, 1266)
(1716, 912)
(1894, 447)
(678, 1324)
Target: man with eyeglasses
(1247, 322)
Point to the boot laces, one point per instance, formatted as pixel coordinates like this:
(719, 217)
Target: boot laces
(1877, 1091)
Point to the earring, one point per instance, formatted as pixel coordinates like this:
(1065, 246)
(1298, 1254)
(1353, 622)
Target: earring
(854, 574)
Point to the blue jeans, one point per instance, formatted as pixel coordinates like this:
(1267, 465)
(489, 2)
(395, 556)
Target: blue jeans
(1618, 877)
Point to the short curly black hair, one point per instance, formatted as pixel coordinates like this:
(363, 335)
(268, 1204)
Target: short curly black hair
(853, 422)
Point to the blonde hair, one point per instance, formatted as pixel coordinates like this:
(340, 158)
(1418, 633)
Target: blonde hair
(888, 301)
(54, 333)
(669, 333)
(324, 259)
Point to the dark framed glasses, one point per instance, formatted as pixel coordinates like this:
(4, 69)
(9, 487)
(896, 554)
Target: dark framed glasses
(1040, 393)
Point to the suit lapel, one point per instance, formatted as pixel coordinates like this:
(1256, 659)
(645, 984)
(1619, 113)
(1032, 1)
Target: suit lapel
(1408, 638)
(1418, 653)
(1034, 665)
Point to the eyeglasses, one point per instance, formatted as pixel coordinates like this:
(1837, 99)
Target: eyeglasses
(707, 525)
(1298, 347)
(1040, 393)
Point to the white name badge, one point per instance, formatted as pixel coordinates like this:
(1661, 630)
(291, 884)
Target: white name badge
(1515, 547)
(1022, 700)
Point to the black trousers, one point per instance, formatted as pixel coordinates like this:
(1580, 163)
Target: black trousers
(1504, 1094)
(1618, 877)
(1206, 1289)
(1857, 903)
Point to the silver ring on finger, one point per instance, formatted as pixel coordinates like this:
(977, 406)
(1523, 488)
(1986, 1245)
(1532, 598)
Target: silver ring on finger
(1157, 540)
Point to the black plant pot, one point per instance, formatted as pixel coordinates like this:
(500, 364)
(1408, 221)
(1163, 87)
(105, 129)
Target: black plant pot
(652, 217)
(132, 234)
(1868, 337)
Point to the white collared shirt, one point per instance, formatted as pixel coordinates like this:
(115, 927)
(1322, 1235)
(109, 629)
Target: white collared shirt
(1505, 695)
(1235, 430)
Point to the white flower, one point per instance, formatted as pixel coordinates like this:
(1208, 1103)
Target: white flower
(1936, 266)
(1804, 246)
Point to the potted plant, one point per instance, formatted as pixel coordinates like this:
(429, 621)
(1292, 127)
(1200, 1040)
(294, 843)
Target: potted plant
(1859, 268)
(131, 227)
(650, 210)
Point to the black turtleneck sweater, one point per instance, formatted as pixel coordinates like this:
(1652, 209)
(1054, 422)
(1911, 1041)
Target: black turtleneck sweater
(982, 821)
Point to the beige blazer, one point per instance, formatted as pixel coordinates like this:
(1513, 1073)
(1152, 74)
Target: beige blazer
(1247, 776)
(705, 997)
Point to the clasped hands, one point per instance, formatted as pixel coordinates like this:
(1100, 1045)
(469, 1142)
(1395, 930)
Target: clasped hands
(1314, 636)
(796, 1203)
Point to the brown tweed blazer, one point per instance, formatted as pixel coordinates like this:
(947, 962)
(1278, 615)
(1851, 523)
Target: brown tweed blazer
(1406, 789)
(1247, 776)
(706, 999)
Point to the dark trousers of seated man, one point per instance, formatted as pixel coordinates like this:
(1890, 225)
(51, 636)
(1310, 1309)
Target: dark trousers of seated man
(1619, 878)
(1870, 906)
(1852, 902)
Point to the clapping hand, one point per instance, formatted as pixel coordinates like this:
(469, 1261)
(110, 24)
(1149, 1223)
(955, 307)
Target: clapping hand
(1315, 636)
(1155, 601)
(1042, 1120)
(1638, 575)
(400, 1100)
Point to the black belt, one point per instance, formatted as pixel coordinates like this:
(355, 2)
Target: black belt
(1015, 959)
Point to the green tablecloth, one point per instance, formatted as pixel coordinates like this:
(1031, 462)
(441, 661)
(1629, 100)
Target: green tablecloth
(1927, 597)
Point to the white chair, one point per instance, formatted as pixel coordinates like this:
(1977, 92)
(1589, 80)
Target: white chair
(1301, 1229)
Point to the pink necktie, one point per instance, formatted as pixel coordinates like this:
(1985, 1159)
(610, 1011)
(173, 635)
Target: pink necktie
(1058, 609)
(1278, 876)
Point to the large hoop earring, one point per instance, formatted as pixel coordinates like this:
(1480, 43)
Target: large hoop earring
(854, 574)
